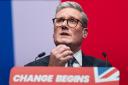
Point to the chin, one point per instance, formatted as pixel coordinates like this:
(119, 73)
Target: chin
(63, 42)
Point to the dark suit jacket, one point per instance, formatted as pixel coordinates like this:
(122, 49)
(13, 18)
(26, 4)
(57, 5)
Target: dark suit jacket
(87, 61)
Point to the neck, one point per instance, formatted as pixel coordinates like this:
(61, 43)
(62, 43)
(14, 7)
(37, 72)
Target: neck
(75, 49)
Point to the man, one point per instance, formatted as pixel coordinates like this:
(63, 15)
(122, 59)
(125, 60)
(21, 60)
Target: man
(70, 28)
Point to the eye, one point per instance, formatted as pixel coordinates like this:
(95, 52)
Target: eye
(72, 20)
(58, 20)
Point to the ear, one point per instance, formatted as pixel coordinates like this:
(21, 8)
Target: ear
(85, 32)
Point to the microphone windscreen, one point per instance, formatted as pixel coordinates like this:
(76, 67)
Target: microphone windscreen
(41, 54)
(104, 54)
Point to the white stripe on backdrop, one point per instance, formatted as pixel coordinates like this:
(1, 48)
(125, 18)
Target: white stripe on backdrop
(32, 28)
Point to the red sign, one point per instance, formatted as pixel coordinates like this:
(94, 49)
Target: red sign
(64, 76)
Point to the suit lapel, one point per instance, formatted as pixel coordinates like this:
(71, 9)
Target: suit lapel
(86, 62)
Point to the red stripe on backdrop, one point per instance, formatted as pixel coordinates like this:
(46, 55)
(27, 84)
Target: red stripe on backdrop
(108, 29)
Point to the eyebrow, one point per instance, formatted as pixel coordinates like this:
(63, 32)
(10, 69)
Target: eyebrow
(68, 17)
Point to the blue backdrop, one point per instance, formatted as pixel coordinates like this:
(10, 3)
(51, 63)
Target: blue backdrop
(6, 41)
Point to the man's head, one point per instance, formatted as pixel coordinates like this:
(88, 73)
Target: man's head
(70, 25)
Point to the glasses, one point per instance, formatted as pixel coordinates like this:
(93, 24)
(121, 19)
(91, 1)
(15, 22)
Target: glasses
(71, 22)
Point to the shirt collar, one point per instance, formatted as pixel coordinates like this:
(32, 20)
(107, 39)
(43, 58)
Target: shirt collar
(78, 57)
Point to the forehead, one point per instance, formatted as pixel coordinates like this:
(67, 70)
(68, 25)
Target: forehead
(69, 12)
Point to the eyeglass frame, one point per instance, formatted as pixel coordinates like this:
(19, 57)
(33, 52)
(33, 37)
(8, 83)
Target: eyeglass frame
(67, 21)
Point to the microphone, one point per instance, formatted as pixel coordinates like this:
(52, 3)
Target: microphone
(40, 55)
(106, 57)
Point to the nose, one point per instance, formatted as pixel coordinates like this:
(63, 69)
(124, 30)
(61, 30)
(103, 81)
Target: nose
(64, 27)
(64, 23)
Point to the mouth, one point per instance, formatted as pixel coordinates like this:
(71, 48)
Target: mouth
(64, 34)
